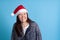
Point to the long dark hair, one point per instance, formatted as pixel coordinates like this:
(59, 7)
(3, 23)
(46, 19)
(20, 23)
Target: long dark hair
(18, 27)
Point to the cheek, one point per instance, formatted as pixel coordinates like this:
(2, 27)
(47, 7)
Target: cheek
(20, 17)
(26, 17)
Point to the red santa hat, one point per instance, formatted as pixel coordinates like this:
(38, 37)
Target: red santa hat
(19, 10)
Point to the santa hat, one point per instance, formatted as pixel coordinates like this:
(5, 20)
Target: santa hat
(19, 10)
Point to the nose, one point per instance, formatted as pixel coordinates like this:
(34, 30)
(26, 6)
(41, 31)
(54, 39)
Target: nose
(22, 16)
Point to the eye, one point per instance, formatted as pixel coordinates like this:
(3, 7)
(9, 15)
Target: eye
(19, 14)
(24, 13)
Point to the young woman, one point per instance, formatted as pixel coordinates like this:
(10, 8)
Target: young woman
(24, 28)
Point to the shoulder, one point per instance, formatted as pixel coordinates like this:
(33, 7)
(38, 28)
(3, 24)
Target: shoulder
(14, 25)
(34, 23)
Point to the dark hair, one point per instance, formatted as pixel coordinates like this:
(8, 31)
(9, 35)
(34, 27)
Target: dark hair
(18, 27)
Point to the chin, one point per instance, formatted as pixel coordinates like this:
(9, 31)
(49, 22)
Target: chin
(23, 21)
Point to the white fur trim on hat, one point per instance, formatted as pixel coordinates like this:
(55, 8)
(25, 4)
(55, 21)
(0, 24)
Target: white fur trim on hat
(20, 11)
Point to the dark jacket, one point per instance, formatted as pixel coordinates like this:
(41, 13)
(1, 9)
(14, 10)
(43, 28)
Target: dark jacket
(32, 33)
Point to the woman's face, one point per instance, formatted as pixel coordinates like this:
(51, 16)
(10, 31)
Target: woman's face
(22, 17)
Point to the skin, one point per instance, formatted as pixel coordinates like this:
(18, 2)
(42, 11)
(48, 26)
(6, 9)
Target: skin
(23, 18)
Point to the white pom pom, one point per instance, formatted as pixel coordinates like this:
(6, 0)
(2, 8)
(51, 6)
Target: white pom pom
(12, 14)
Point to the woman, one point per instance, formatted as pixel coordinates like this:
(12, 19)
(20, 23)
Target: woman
(24, 28)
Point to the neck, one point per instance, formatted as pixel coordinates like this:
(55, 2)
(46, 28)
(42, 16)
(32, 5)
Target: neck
(24, 24)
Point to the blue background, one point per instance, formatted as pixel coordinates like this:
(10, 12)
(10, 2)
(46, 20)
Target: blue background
(45, 12)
